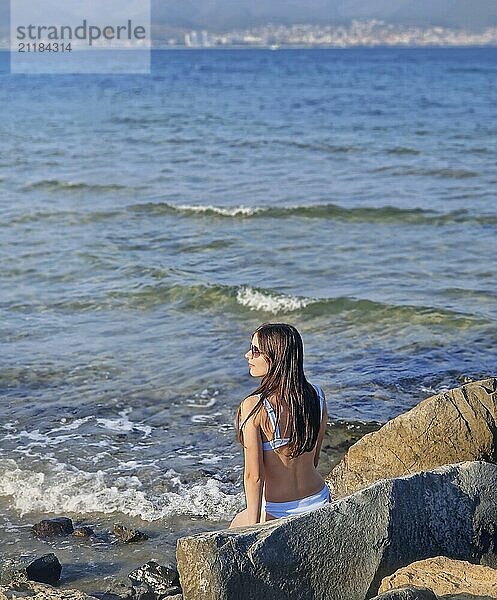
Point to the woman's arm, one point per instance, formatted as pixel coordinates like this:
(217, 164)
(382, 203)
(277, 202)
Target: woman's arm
(322, 429)
(253, 474)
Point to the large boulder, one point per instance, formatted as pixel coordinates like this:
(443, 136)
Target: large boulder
(344, 550)
(446, 577)
(451, 427)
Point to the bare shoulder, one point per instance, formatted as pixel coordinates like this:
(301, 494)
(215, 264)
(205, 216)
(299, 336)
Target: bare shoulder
(248, 405)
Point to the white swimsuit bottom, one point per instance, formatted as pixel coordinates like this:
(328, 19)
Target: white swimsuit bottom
(279, 510)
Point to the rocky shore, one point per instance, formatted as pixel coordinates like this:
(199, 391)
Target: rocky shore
(414, 517)
(422, 486)
(54, 532)
(38, 578)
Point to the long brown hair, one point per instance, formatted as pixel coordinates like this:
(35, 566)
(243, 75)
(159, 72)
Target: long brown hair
(285, 381)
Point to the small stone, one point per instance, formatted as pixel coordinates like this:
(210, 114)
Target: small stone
(127, 535)
(120, 590)
(83, 531)
(46, 569)
(159, 578)
(49, 527)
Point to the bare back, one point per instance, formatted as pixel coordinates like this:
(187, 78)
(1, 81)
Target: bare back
(288, 478)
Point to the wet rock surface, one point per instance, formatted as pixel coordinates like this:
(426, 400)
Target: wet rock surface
(53, 527)
(128, 535)
(161, 580)
(83, 531)
(46, 569)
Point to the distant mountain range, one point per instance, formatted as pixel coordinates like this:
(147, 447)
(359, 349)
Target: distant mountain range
(218, 15)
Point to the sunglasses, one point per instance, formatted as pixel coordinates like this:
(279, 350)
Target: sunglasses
(254, 351)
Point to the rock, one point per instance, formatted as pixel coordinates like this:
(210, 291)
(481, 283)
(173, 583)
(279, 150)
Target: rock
(46, 569)
(446, 577)
(128, 535)
(39, 591)
(83, 531)
(13, 575)
(338, 437)
(159, 578)
(153, 581)
(344, 550)
(451, 427)
(141, 592)
(49, 527)
(118, 591)
(407, 593)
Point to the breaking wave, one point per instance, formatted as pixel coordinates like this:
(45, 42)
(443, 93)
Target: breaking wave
(383, 214)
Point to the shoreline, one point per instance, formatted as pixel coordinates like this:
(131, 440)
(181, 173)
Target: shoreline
(80, 554)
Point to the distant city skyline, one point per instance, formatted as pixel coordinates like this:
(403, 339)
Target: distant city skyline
(366, 33)
(175, 20)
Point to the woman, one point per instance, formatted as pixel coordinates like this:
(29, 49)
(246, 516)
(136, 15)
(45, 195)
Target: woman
(281, 426)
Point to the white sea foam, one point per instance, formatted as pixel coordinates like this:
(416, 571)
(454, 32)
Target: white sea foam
(67, 489)
(205, 418)
(40, 439)
(433, 391)
(76, 424)
(204, 399)
(232, 211)
(68, 431)
(123, 424)
(273, 303)
(10, 425)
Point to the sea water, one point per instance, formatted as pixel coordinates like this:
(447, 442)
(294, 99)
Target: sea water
(150, 223)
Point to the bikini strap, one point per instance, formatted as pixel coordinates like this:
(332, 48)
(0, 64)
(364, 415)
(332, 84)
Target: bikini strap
(321, 397)
(272, 417)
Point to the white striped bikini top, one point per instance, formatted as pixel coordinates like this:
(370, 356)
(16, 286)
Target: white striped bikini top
(278, 441)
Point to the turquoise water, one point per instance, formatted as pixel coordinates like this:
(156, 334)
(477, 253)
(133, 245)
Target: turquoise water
(149, 223)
